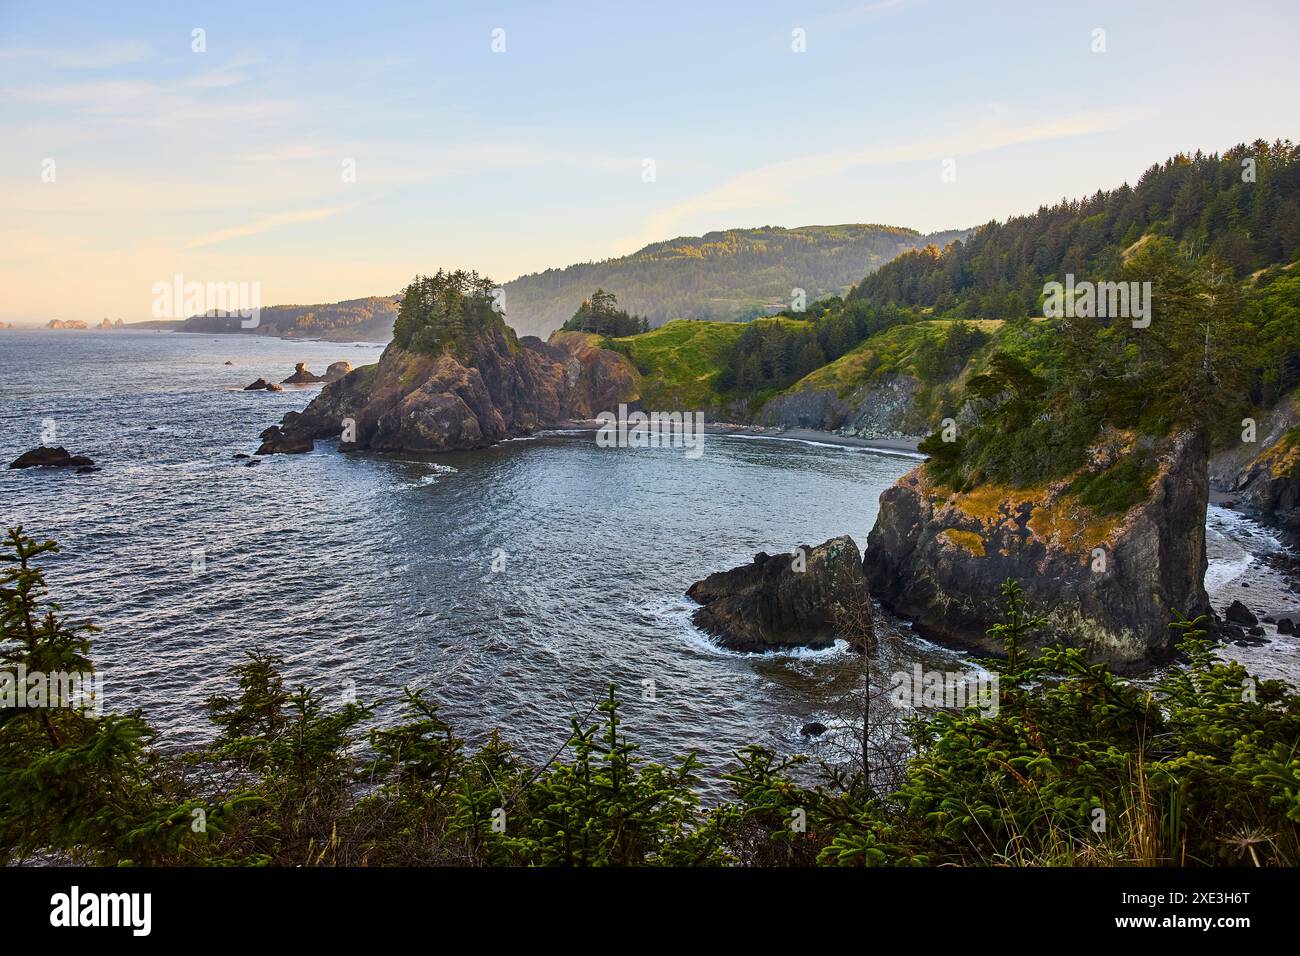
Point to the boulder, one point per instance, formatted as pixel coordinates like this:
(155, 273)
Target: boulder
(1286, 625)
(261, 383)
(301, 376)
(804, 599)
(43, 457)
(1238, 613)
(276, 442)
(337, 370)
(813, 729)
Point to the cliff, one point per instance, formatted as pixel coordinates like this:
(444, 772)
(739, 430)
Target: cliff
(1107, 584)
(1263, 477)
(492, 387)
(884, 408)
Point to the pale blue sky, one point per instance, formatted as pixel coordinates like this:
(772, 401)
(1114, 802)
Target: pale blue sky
(226, 165)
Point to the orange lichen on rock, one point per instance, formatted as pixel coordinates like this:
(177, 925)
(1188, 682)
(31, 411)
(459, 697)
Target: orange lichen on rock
(966, 540)
(1064, 523)
(1283, 459)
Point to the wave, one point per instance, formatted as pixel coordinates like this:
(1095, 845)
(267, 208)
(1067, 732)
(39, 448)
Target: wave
(678, 615)
(828, 443)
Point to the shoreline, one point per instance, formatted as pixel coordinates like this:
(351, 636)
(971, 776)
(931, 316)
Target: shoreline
(901, 446)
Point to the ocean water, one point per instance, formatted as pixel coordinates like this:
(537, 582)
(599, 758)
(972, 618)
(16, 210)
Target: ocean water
(512, 584)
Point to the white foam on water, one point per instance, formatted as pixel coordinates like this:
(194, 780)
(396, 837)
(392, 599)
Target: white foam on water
(679, 612)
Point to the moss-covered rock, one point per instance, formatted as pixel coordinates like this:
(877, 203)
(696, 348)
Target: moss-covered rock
(1108, 581)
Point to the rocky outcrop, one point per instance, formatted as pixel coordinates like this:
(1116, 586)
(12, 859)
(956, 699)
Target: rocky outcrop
(43, 457)
(883, 408)
(276, 442)
(66, 324)
(1263, 476)
(1106, 584)
(337, 370)
(261, 384)
(1238, 613)
(301, 376)
(804, 599)
(498, 387)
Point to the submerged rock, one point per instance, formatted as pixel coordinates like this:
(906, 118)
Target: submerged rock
(1107, 584)
(804, 599)
(43, 457)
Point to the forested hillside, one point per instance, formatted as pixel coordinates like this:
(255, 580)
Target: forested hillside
(727, 276)
(1242, 208)
(1216, 235)
(353, 320)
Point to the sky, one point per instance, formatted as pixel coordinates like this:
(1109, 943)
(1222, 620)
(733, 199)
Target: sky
(331, 150)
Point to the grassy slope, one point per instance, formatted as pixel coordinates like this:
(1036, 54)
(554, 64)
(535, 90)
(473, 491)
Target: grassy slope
(680, 361)
(892, 350)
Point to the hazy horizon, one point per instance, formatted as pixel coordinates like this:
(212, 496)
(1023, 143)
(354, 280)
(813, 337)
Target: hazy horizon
(287, 152)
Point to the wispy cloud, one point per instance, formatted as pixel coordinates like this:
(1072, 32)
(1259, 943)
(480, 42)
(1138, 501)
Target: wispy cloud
(264, 224)
(772, 183)
(96, 58)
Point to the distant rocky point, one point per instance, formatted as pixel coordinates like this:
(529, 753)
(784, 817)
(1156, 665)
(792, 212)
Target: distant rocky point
(66, 324)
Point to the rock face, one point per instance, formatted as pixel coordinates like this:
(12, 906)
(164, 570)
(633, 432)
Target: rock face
(50, 458)
(506, 387)
(771, 605)
(337, 370)
(1264, 476)
(301, 376)
(884, 408)
(941, 558)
